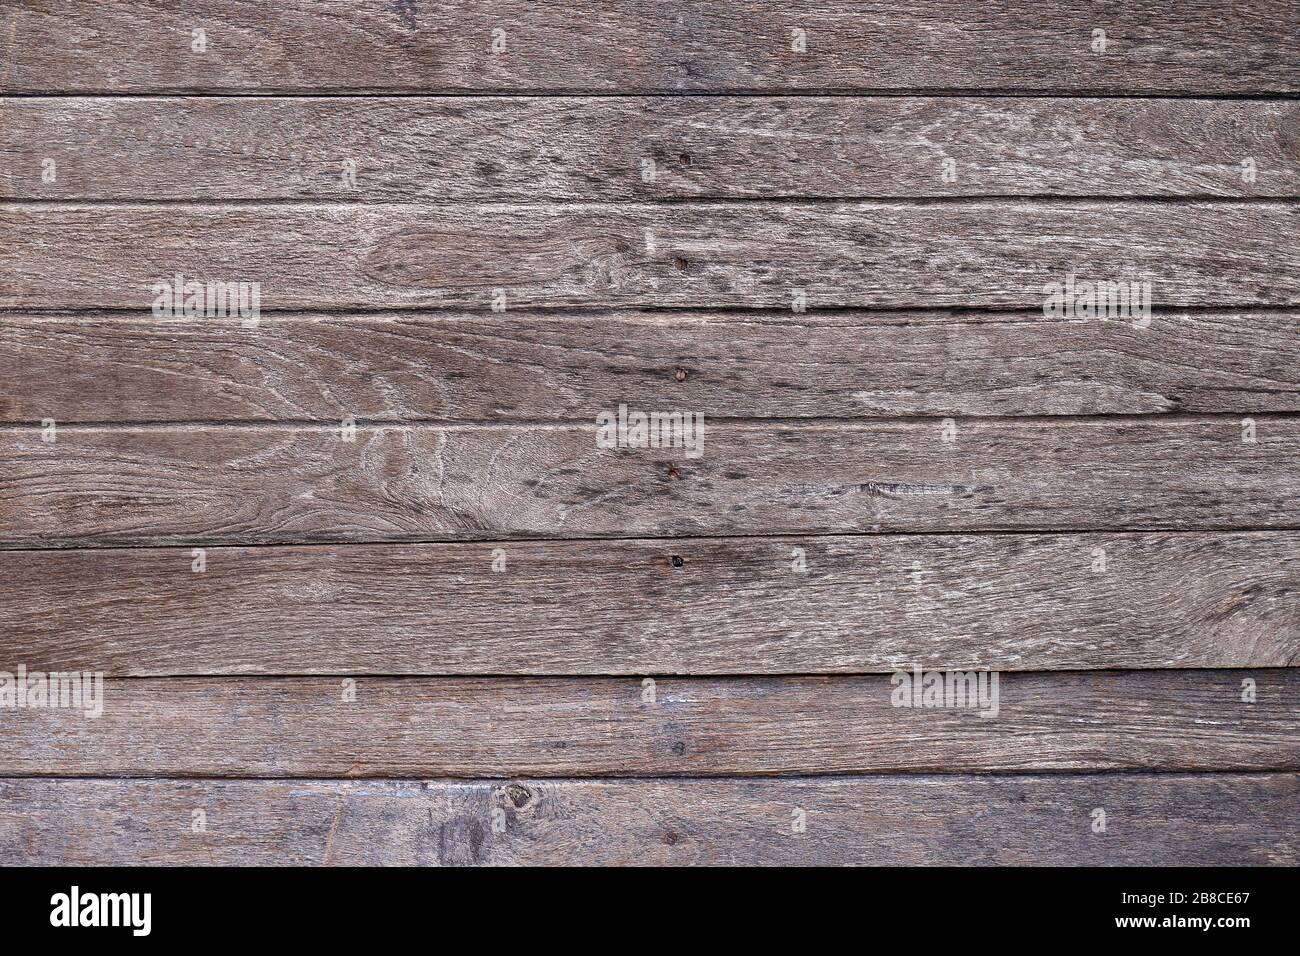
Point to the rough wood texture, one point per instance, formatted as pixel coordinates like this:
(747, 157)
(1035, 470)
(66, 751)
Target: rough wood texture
(1221, 819)
(492, 149)
(890, 254)
(146, 46)
(495, 727)
(481, 367)
(736, 605)
(466, 587)
(265, 484)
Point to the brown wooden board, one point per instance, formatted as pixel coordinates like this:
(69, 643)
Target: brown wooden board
(696, 726)
(735, 605)
(598, 45)
(976, 253)
(363, 585)
(476, 149)
(194, 485)
(107, 367)
(1151, 820)
(550, 726)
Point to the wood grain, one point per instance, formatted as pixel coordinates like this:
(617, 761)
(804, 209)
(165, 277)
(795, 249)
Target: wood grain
(337, 45)
(994, 254)
(476, 149)
(551, 726)
(475, 367)
(193, 485)
(445, 617)
(1152, 820)
(735, 605)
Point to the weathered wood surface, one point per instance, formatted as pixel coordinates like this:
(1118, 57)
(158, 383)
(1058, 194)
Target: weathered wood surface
(997, 254)
(339, 45)
(1151, 820)
(735, 605)
(482, 367)
(617, 148)
(265, 484)
(396, 622)
(553, 726)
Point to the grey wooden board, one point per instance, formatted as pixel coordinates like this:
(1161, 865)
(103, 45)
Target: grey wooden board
(107, 367)
(1151, 820)
(990, 254)
(735, 605)
(627, 148)
(136, 46)
(266, 484)
(554, 726)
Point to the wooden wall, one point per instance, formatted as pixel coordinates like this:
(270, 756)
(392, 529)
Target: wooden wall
(363, 586)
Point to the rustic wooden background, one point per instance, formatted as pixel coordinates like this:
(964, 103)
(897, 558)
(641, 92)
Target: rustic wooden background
(500, 715)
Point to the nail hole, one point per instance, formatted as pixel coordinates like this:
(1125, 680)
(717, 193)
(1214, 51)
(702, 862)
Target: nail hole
(678, 561)
(674, 474)
(680, 264)
(680, 375)
(685, 159)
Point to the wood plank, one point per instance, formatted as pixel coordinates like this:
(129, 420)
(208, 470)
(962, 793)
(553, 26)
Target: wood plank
(436, 45)
(736, 605)
(552, 726)
(1151, 820)
(474, 149)
(990, 254)
(426, 367)
(264, 484)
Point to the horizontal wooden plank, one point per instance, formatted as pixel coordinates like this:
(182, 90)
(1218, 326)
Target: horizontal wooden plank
(630, 148)
(494, 727)
(308, 484)
(968, 253)
(735, 605)
(484, 367)
(339, 45)
(1151, 820)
